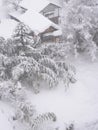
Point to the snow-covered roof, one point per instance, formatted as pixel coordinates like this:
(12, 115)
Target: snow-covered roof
(38, 5)
(36, 21)
(7, 27)
(15, 14)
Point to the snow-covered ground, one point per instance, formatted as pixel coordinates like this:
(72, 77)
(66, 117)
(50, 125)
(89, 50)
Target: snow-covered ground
(6, 113)
(77, 104)
(6, 118)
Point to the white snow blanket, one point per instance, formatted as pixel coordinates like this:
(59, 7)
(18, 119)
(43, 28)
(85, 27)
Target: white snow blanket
(7, 27)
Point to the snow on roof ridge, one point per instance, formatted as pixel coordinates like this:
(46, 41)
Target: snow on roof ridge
(36, 5)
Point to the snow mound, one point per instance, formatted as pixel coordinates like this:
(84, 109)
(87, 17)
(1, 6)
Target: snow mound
(7, 27)
(4, 122)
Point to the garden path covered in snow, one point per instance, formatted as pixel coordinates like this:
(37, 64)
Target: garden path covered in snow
(79, 103)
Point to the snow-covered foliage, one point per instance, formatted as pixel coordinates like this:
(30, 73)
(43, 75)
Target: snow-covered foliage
(22, 65)
(16, 97)
(59, 53)
(11, 92)
(24, 111)
(34, 71)
(15, 68)
(42, 121)
(79, 24)
(23, 34)
(34, 67)
(56, 51)
(70, 127)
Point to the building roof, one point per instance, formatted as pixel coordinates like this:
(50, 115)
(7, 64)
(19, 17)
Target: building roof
(56, 2)
(50, 7)
(36, 21)
(7, 27)
(38, 5)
